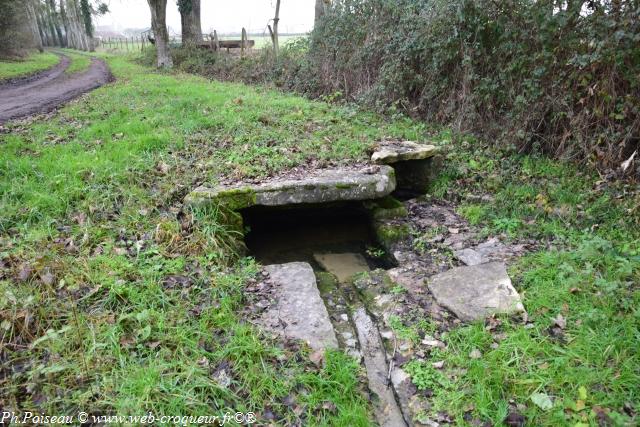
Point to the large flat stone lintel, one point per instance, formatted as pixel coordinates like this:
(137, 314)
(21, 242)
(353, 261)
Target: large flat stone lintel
(323, 186)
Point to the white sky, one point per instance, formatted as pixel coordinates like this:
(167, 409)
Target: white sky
(222, 15)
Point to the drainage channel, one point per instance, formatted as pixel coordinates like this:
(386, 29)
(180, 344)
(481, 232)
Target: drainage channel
(338, 241)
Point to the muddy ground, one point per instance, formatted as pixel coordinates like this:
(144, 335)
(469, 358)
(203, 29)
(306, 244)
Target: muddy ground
(46, 91)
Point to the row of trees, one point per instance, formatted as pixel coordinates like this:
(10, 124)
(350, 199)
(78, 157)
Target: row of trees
(32, 24)
(192, 27)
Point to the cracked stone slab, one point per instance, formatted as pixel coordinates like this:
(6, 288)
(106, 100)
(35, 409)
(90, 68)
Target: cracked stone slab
(298, 311)
(475, 292)
(390, 152)
(322, 186)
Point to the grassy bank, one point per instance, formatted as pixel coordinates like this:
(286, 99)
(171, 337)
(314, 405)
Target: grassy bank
(31, 65)
(115, 299)
(574, 360)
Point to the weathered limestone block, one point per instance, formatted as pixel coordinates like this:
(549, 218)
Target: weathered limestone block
(390, 152)
(416, 165)
(475, 292)
(298, 311)
(323, 186)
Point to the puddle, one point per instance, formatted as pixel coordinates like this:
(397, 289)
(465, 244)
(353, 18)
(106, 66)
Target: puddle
(344, 265)
(332, 237)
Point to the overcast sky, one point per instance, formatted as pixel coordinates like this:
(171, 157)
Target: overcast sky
(221, 15)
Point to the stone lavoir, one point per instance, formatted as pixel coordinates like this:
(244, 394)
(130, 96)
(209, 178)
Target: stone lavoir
(337, 244)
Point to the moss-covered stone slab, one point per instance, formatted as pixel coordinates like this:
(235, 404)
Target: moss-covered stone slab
(390, 152)
(322, 186)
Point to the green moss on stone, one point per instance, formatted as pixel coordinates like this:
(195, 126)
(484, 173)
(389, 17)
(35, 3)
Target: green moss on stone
(344, 186)
(237, 198)
(327, 282)
(386, 208)
(388, 234)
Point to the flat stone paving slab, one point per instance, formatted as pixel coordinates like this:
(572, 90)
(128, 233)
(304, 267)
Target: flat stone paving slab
(390, 152)
(298, 311)
(475, 292)
(321, 186)
(344, 265)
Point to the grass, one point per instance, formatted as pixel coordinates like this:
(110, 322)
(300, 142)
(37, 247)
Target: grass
(114, 298)
(36, 62)
(587, 270)
(80, 62)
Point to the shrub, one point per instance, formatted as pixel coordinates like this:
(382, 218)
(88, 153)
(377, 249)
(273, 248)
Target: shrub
(562, 78)
(559, 79)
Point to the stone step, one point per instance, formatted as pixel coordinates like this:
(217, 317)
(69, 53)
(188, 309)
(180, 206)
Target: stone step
(297, 311)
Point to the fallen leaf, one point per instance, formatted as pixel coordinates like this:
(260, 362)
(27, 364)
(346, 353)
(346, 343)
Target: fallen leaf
(25, 273)
(317, 357)
(47, 278)
(625, 165)
(329, 406)
(582, 393)
(560, 321)
(542, 401)
(515, 419)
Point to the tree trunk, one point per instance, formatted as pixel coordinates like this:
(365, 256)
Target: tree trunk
(159, 25)
(33, 26)
(50, 16)
(320, 10)
(44, 35)
(55, 22)
(77, 36)
(274, 36)
(190, 20)
(65, 22)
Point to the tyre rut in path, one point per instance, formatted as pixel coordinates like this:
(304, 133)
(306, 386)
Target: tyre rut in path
(50, 89)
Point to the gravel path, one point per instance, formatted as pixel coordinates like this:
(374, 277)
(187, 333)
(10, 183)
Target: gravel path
(50, 89)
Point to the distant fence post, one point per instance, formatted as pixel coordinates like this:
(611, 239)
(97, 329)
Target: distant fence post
(243, 42)
(216, 40)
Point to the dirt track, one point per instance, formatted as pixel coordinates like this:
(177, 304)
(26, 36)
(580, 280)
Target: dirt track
(50, 89)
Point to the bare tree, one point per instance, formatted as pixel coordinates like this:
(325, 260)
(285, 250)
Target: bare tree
(54, 19)
(32, 24)
(190, 20)
(159, 25)
(274, 30)
(74, 23)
